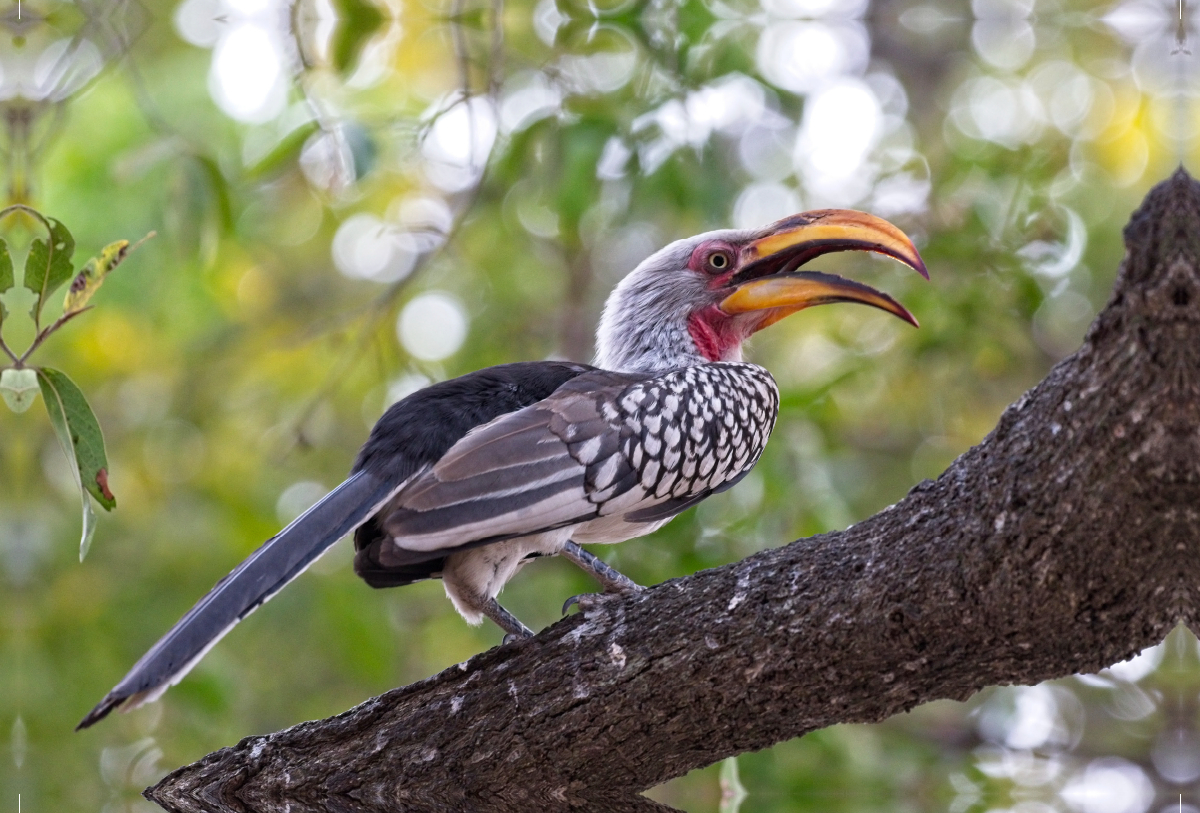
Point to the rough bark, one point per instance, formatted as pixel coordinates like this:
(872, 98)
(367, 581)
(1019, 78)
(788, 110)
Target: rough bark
(1065, 541)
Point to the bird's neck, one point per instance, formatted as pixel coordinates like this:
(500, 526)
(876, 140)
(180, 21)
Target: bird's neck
(668, 344)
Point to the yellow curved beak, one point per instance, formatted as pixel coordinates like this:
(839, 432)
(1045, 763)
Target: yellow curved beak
(768, 281)
(784, 294)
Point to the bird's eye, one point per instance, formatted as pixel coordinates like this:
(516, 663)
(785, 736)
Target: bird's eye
(719, 260)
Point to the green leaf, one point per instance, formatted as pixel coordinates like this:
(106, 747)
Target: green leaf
(219, 187)
(7, 279)
(49, 264)
(358, 22)
(79, 435)
(92, 275)
(284, 154)
(19, 388)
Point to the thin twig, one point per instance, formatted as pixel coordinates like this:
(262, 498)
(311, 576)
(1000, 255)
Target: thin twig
(462, 57)
(496, 65)
(8, 352)
(45, 332)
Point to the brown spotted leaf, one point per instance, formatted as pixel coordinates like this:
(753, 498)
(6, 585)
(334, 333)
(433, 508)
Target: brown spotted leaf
(92, 275)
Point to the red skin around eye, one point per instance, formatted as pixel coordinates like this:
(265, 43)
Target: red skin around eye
(698, 262)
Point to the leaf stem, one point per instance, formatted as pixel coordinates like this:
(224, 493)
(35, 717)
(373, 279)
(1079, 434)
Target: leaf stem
(44, 333)
(8, 352)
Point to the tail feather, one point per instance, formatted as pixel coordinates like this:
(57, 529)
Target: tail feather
(263, 574)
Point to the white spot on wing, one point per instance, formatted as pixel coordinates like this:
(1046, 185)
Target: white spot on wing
(608, 470)
(589, 450)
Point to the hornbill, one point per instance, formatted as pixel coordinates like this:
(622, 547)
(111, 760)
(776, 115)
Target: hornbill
(469, 479)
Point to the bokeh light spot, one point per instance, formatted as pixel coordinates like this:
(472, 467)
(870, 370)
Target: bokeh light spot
(367, 248)
(1110, 785)
(432, 326)
(840, 127)
(763, 203)
(247, 74)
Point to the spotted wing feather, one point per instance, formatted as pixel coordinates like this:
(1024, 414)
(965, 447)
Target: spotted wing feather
(604, 444)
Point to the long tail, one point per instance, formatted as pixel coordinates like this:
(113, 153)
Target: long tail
(266, 571)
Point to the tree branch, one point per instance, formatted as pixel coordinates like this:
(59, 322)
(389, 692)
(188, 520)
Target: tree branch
(1067, 540)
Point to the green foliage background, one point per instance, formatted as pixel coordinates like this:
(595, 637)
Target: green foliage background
(229, 360)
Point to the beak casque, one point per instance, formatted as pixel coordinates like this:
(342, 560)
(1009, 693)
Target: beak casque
(769, 283)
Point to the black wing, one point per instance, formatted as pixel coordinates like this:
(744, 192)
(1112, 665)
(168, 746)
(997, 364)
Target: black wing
(426, 425)
(411, 435)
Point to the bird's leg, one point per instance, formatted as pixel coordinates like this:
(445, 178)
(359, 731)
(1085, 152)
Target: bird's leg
(612, 580)
(609, 577)
(514, 630)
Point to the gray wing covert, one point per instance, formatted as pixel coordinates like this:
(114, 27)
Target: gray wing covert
(514, 476)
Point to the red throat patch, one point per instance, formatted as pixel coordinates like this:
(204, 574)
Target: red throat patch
(713, 333)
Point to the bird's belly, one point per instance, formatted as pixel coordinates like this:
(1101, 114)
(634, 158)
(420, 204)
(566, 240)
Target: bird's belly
(612, 529)
(481, 573)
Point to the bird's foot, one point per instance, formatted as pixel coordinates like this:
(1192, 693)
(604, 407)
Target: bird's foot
(585, 601)
(612, 579)
(513, 628)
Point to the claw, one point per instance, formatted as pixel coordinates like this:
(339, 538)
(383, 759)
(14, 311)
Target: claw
(585, 601)
(512, 637)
